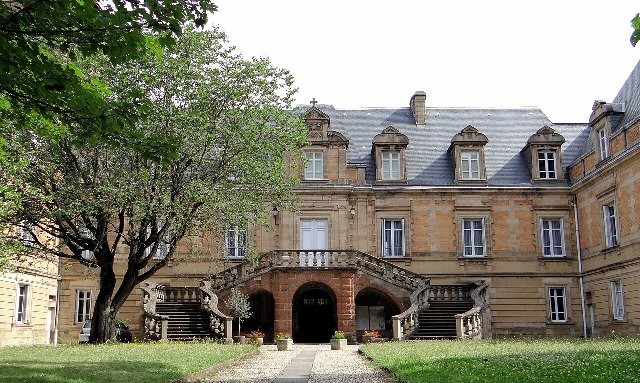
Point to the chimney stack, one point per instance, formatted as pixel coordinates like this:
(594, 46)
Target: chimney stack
(419, 107)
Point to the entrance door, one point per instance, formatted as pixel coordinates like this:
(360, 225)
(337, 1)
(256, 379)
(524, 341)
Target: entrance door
(314, 312)
(313, 236)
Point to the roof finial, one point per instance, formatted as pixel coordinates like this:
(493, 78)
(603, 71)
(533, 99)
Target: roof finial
(313, 102)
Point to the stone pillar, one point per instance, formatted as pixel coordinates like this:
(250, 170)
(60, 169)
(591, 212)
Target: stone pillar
(346, 305)
(283, 301)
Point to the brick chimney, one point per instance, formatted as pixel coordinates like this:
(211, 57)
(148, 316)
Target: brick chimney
(419, 107)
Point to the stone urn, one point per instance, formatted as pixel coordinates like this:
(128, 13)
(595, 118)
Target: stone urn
(240, 339)
(285, 344)
(338, 344)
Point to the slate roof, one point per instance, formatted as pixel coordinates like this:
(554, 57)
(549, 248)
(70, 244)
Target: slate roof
(629, 94)
(428, 162)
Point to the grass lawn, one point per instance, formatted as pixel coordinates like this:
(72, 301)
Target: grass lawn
(548, 361)
(113, 363)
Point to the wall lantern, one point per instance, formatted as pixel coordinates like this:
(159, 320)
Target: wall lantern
(352, 211)
(275, 212)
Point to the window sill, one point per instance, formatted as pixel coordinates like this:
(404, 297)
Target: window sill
(609, 250)
(21, 325)
(557, 258)
(619, 321)
(406, 260)
(480, 260)
(391, 182)
(476, 181)
(315, 181)
(568, 322)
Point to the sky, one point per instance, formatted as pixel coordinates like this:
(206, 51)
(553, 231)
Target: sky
(557, 55)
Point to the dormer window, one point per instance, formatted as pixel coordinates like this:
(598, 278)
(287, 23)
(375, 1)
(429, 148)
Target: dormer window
(314, 169)
(470, 164)
(391, 165)
(543, 153)
(467, 155)
(547, 165)
(603, 143)
(389, 152)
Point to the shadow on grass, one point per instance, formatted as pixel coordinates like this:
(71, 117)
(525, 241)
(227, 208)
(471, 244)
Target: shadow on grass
(14, 371)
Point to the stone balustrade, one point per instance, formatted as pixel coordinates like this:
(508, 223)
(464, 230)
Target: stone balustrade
(450, 293)
(317, 259)
(181, 294)
(406, 322)
(155, 325)
(469, 324)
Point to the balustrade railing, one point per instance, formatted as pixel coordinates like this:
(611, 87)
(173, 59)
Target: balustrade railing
(469, 325)
(406, 322)
(181, 294)
(220, 324)
(155, 325)
(321, 259)
(449, 293)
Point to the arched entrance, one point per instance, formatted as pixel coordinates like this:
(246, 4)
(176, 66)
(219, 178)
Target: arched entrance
(374, 310)
(262, 314)
(314, 313)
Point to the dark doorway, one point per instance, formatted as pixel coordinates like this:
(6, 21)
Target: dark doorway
(314, 314)
(374, 310)
(262, 314)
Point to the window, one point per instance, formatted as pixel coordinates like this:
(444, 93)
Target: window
(26, 234)
(22, 304)
(617, 300)
(314, 167)
(546, 165)
(473, 237)
(552, 233)
(557, 304)
(470, 164)
(604, 144)
(163, 247)
(610, 232)
(83, 306)
(390, 165)
(393, 237)
(236, 242)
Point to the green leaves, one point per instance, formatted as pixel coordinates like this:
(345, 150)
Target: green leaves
(635, 24)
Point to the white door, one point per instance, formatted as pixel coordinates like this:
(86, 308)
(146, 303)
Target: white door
(313, 236)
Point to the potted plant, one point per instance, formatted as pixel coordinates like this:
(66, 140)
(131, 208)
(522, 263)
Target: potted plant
(370, 336)
(239, 307)
(338, 341)
(257, 337)
(284, 342)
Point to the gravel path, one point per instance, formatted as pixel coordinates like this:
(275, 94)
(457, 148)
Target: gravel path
(328, 366)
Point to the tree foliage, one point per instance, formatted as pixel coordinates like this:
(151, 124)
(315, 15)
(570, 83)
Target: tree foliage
(238, 305)
(227, 118)
(635, 24)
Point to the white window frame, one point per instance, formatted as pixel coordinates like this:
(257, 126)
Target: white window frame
(163, 248)
(467, 159)
(617, 300)
(23, 300)
(83, 306)
(389, 250)
(548, 161)
(472, 246)
(235, 234)
(314, 168)
(610, 225)
(546, 231)
(389, 159)
(603, 139)
(557, 297)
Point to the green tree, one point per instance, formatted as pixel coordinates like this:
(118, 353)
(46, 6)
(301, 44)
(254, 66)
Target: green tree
(635, 25)
(228, 119)
(238, 305)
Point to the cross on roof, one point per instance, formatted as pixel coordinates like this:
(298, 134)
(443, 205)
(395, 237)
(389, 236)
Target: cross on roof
(313, 102)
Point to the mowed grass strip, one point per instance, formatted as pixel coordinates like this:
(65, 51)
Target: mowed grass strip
(113, 363)
(509, 361)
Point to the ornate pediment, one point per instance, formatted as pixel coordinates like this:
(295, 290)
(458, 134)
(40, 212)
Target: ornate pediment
(392, 137)
(318, 124)
(469, 136)
(546, 136)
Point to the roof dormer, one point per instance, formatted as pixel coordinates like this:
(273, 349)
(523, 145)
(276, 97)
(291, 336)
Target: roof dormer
(467, 154)
(544, 156)
(389, 149)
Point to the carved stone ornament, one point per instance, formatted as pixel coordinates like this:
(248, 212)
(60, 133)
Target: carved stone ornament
(391, 136)
(469, 136)
(546, 136)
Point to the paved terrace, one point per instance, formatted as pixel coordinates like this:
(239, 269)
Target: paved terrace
(305, 363)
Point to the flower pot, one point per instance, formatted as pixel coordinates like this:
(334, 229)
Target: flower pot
(257, 340)
(284, 344)
(367, 339)
(239, 339)
(338, 344)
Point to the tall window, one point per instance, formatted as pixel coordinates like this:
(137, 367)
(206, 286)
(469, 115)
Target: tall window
(546, 165)
(393, 237)
(22, 304)
(391, 165)
(236, 242)
(83, 306)
(473, 237)
(163, 247)
(610, 232)
(552, 233)
(314, 167)
(26, 234)
(557, 304)
(617, 300)
(470, 164)
(604, 144)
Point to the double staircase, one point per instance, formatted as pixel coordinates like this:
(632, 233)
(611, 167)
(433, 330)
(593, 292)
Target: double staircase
(186, 321)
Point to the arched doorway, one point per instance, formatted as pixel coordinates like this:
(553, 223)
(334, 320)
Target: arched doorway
(262, 314)
(314, 313)
(374, 310)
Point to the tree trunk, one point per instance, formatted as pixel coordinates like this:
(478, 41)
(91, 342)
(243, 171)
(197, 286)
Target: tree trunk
(103, 321)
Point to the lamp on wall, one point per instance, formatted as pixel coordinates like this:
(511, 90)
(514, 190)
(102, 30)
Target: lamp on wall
(275, 212)
(352, 211)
